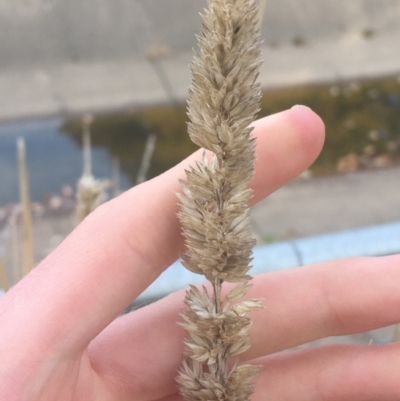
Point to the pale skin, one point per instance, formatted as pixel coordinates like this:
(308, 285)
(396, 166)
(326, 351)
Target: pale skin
(61, 338)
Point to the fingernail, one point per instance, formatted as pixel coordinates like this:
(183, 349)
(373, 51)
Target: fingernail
(300, 106)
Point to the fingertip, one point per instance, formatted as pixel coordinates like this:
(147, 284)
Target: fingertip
(287, 144)
(311, 126)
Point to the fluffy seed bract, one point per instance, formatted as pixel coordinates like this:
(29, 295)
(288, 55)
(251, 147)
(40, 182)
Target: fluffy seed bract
(224, 99)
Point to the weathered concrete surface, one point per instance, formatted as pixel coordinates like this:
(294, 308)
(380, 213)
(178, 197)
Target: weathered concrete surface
(38, 32)
(63, 57)
(328, 204)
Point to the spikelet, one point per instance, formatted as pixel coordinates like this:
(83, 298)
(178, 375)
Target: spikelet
(88, 196)
(213, 209)
(89, 192)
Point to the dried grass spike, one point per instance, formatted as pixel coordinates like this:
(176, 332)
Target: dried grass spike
(213, 210)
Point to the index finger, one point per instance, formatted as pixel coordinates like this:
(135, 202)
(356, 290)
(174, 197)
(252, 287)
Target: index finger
(125, 244)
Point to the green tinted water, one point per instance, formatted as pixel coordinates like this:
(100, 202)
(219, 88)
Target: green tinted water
(361, 118)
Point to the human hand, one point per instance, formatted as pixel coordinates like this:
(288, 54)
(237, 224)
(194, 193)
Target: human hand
(60, 338)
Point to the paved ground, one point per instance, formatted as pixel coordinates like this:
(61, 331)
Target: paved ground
(327, 204)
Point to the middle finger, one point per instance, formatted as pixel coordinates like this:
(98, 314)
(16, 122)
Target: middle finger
(301, 305)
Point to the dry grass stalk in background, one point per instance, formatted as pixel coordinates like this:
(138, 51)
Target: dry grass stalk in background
(87, 144)
(89, 189)
(3, 277)
(116, 174)
(146, 158)
(224, 99)
(87, 195)
(27, 257)
(17, 273)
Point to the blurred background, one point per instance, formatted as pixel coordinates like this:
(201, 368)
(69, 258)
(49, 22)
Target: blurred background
(115, 73)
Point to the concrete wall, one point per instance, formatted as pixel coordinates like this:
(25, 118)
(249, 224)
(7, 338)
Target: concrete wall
(37, 32)
(59, 57)
(41, 31)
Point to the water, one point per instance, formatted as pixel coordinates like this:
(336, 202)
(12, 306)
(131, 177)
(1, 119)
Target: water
(362, 132)
(53, 160)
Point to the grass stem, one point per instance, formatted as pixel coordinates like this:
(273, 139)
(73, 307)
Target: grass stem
(28, 255)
